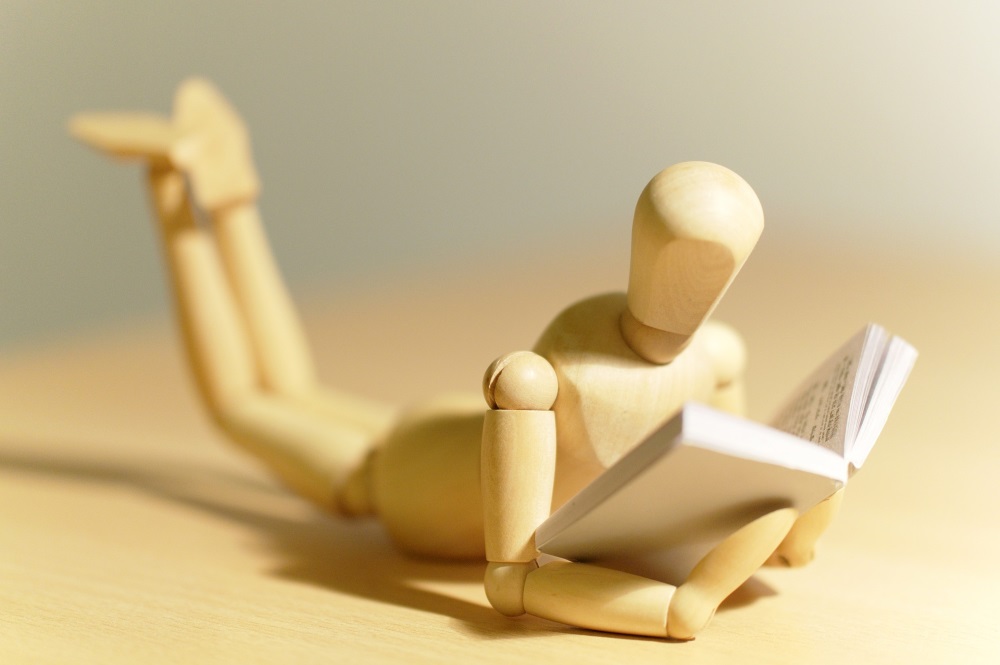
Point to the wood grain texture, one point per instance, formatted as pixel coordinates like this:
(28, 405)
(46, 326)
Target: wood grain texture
(610, 398)
(695, 224)
(504, 585)
(518, 469)
(132, 533)
(598, 598)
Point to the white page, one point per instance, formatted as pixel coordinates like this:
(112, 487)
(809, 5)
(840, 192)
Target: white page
(894, 369)
(873, 353)
(818, 410)
(703, 475)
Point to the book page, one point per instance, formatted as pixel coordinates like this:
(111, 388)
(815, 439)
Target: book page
(818, 409)
(894, 368)
(699, 478)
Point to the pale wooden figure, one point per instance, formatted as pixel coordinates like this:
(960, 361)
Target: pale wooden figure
(604, 374)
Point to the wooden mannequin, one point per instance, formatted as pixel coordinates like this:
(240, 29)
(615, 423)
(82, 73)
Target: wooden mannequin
(446, 478)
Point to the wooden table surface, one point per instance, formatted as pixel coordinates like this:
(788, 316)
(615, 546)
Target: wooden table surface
(130, 532)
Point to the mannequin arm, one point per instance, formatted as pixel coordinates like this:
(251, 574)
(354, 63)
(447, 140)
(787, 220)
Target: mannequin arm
(518, 471)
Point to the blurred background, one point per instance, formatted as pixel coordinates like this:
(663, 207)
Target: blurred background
(398, 139)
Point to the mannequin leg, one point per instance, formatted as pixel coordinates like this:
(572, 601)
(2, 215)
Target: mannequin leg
(723, 569)
(311, 453)
(273, 326)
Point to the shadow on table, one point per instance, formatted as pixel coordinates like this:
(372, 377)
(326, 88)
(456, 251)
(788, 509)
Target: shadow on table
(354, 557)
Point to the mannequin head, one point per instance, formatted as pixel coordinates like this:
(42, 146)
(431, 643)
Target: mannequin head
(695, 224)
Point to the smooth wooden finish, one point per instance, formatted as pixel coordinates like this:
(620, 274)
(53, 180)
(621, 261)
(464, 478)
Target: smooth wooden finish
(310, 455)
(598, 598)
(799, 546)
(244, 342)
(271, 320)
(215, 150)
(445, 479)
(298, 447)
(518, 464)
(601, 377)
(729, 360)
(521, 380)
(219, 351)
(723, 570)
(127, 135)
(132, 533)
(695, 225)
(518, 468)
(425, 479)
(504, 585)
(651, 343)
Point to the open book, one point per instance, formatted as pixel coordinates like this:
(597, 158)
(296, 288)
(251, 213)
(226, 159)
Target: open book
(705, 473)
